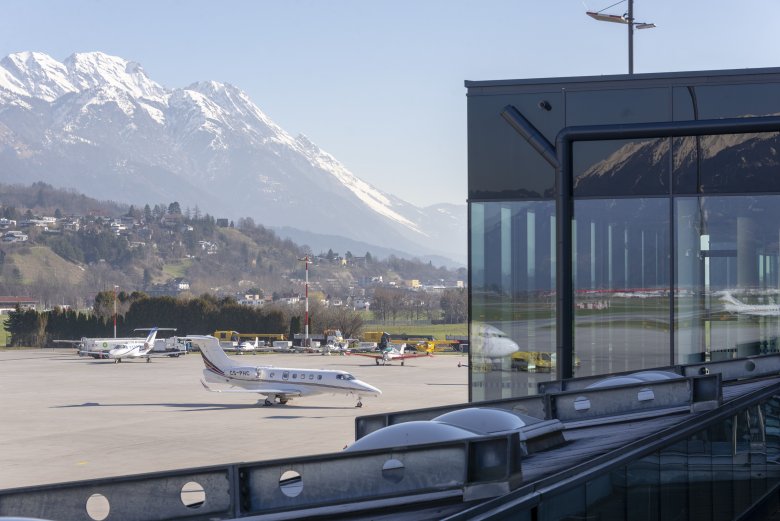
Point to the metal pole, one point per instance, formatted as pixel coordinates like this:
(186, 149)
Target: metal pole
(631, 36)
(306, 316)
(114, 310)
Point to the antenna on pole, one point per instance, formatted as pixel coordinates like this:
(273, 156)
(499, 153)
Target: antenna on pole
(307, 261)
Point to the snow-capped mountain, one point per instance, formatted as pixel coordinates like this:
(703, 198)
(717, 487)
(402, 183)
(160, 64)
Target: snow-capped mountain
(100, 125)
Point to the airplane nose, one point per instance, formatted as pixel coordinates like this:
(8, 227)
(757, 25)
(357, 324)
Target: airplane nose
(369, 388)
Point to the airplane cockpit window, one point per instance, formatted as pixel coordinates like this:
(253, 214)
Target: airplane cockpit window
(346, 376)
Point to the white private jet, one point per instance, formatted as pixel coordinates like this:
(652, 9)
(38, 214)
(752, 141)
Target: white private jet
(277, 384)
(493, 343)
(390, 353)
(733, 305)
(248, 346)
(135, 348)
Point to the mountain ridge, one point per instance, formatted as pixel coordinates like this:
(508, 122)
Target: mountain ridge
(99, 124)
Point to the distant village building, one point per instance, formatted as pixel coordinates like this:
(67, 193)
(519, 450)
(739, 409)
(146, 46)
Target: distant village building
(8, 304)
(15, 236)
(251, 300)
(361, 304)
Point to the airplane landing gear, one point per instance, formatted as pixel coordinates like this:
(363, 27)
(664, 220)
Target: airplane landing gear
(359, 404)
(267, 403)
(283, 400)
(148, 359)
(377, 361)
(117, 360)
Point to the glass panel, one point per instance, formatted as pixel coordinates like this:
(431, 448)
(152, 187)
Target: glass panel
(719, 438)
(566, 505)
(674, 481)
(603, 106)
(771, 410)
(621, 281)
(512, 298)
(732, 101)
(606, 496)
(727, 277)
(642, 482)
(501, 164)
(700, 477)
(740, 163)
(621, 168)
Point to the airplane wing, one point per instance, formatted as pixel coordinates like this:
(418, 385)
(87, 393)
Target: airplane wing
(164, 354)
(410, 355)
(369, 355)
(94, 354)
(265, 391)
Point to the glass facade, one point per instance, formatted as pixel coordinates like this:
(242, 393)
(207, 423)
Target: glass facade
(675, 239)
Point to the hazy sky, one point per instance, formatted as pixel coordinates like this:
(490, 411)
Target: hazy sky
(379, 83)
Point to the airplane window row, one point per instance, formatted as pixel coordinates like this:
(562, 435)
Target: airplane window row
(302, 376)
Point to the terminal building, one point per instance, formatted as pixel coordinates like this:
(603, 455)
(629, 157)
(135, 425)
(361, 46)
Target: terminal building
(624, 314)
(622, 222)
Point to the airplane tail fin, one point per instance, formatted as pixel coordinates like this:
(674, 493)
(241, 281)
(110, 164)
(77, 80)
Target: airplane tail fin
(149, 342)
(214, 356)
(731, 299)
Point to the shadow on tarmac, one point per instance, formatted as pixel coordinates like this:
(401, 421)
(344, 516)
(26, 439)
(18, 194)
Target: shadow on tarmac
(206, 407)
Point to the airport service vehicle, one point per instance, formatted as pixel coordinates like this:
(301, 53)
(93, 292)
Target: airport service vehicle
(277, 384)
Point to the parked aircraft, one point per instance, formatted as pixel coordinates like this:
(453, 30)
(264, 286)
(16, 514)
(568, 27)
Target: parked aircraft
(493, 343)
(248, 346)
(391, 353)
(277, 384)
(96, 347)
(134, 348)
(734, 305)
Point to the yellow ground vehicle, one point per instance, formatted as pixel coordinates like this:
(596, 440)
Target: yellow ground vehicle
(431, 346)
(536, 361)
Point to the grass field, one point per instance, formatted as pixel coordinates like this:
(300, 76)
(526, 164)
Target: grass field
(176, 269)
(3, 333)
(438, 331)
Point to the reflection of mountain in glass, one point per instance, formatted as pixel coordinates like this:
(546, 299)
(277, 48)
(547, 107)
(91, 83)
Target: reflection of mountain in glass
(728, 164)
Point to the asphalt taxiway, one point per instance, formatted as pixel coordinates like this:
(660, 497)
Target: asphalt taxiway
(65, 418)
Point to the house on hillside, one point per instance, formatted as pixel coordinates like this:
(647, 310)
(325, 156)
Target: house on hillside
(8, 304)
(15, 236)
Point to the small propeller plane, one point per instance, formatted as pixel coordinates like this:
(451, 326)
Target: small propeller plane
(390, 353)
(277, 384)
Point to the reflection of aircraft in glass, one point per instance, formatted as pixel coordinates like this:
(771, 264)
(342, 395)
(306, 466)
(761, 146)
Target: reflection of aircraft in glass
(492, 343)
(733, 305)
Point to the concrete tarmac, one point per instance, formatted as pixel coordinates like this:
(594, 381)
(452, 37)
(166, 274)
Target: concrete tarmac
(66, 418)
